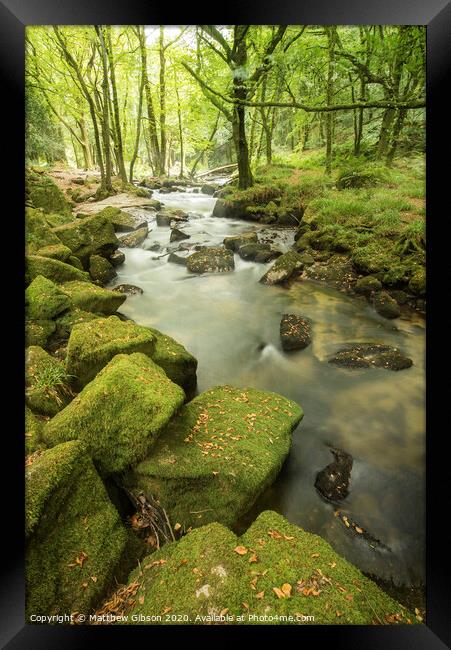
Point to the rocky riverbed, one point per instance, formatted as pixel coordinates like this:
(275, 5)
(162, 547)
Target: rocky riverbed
(110, 381)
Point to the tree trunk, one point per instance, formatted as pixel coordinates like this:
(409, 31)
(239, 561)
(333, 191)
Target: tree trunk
(138, 128)
(107, 186)
(384, 135)
(153, 136)
(331, 35)
(117, 121)
(395, 136)
(179, 116)
(163, 143)
(210, 140)
(245, 178)
(86, 145)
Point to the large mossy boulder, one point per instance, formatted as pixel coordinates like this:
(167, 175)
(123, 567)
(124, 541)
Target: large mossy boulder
(88, 297)
(44, 299)
(43, 193)
(38, 332)
(52, 269)
(235, 242)
(135, 238)
(122, 221)
(33, 431)
(211, 260)
(171, 216)
(386, 306)
(218, 455)
(90, 236)
(75, 538)
(120, 414)
(417, 284)
(37, 231)
(47, 383)
(94, 343)
(285, 268)
(101, 270)
(179, 365)
(276, 573)
(56, 252)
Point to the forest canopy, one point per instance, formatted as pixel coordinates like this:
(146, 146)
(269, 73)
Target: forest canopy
(173, 100)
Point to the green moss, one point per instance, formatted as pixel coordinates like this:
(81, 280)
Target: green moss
(94, 343)
(211, 260)
(47, 383)
(68, 518)
(44, 193)
(100, 269)
(234, 242)
(90, 236)
(417, 283)
(222, 450)
(284, 268)
(88, 297)
(203, 575)
(33, 432)
(120, 413)
(55, 220)
(179, 365)
(52, 270)
(37, 231)
(71, 317)
(38, 332)
(55, 251)
(44, 300)
(122, 221)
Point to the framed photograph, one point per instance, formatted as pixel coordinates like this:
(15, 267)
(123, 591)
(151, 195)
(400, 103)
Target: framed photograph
(223, 235)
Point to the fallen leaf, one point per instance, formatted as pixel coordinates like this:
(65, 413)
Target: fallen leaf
(94, 578)
(338, 614)
(253, 558)
(241, 550)
(286, 588)
(279, 593)
(141, 600)
(223, 612)
(349, 597)
(358, 530)
(260, 595)
(315, 555)
(166, 610)
(177, 526)
(274, 534)
(246, 606)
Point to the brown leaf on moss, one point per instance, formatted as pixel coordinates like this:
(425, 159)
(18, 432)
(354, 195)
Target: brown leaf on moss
(253, 558)
(241, 550)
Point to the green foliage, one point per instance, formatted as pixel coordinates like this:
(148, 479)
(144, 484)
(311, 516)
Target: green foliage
(43, 140)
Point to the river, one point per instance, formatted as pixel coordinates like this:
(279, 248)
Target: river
(230, 322)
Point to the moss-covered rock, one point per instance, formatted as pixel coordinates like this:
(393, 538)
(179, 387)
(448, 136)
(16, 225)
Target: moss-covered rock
(87, 297)
(385, 305)
(38, 332)
(294, 332)
(94, 343)
(55, 251)
(90, 236)
(417, 284)
(367, 355)
(119, 414)
(367, 285)
(169, 216)
(37, 231)
(218, 455)
(55, 220)
(122, 221)
(52, 269)
(117, 258)
(100, 269)
(43, 193)
(287, 266)
(75, 538)
(47, 382)
(211, 260)
(33, 431)
(65, 322)
(135, 238)
(236, 241)
(44, 299)
(276, 573)
(179, 365)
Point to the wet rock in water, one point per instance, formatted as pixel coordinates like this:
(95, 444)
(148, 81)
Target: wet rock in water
(236, 241)
(333, 481)
(178, 235)
(386, 306)
(417, 283)
(367, 285)
(88, 297)
(285, 268)
(93, 344)
(117, 258)
(169, 216)
(294, 332)
(53, 270)
(122, 221)
(135, 238)
(219, 477)
(93, 235)
(44, 299)
(73, 531)
(366, 355)
(129, 289)
(256, 252)
(211, 260)
(119, 431)
(168, 190)
(400, 296)
(338, 272)
(271, 568)
(306, 259)
(208, 188)
(47, 382)
(100, 269)
(178, 257)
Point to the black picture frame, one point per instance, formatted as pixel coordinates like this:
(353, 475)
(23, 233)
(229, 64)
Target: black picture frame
(15, 15)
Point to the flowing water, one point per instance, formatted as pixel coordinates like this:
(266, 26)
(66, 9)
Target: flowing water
(230, 322)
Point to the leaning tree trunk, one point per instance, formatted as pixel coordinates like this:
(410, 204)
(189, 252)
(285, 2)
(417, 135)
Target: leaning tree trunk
(138, 128)
(329, 97)
(115, 102)
(107, 187)
(245, 178)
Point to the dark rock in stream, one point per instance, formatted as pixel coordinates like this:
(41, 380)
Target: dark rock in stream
(332, 482)
(178, 235)
(178, 258)
(117, 258)
(168, 216)
(255, 252)
(211, 260)
(365, 355)
(236, 241)
(135, 238)
(386, 306)
(294, 332)
(129, 289)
